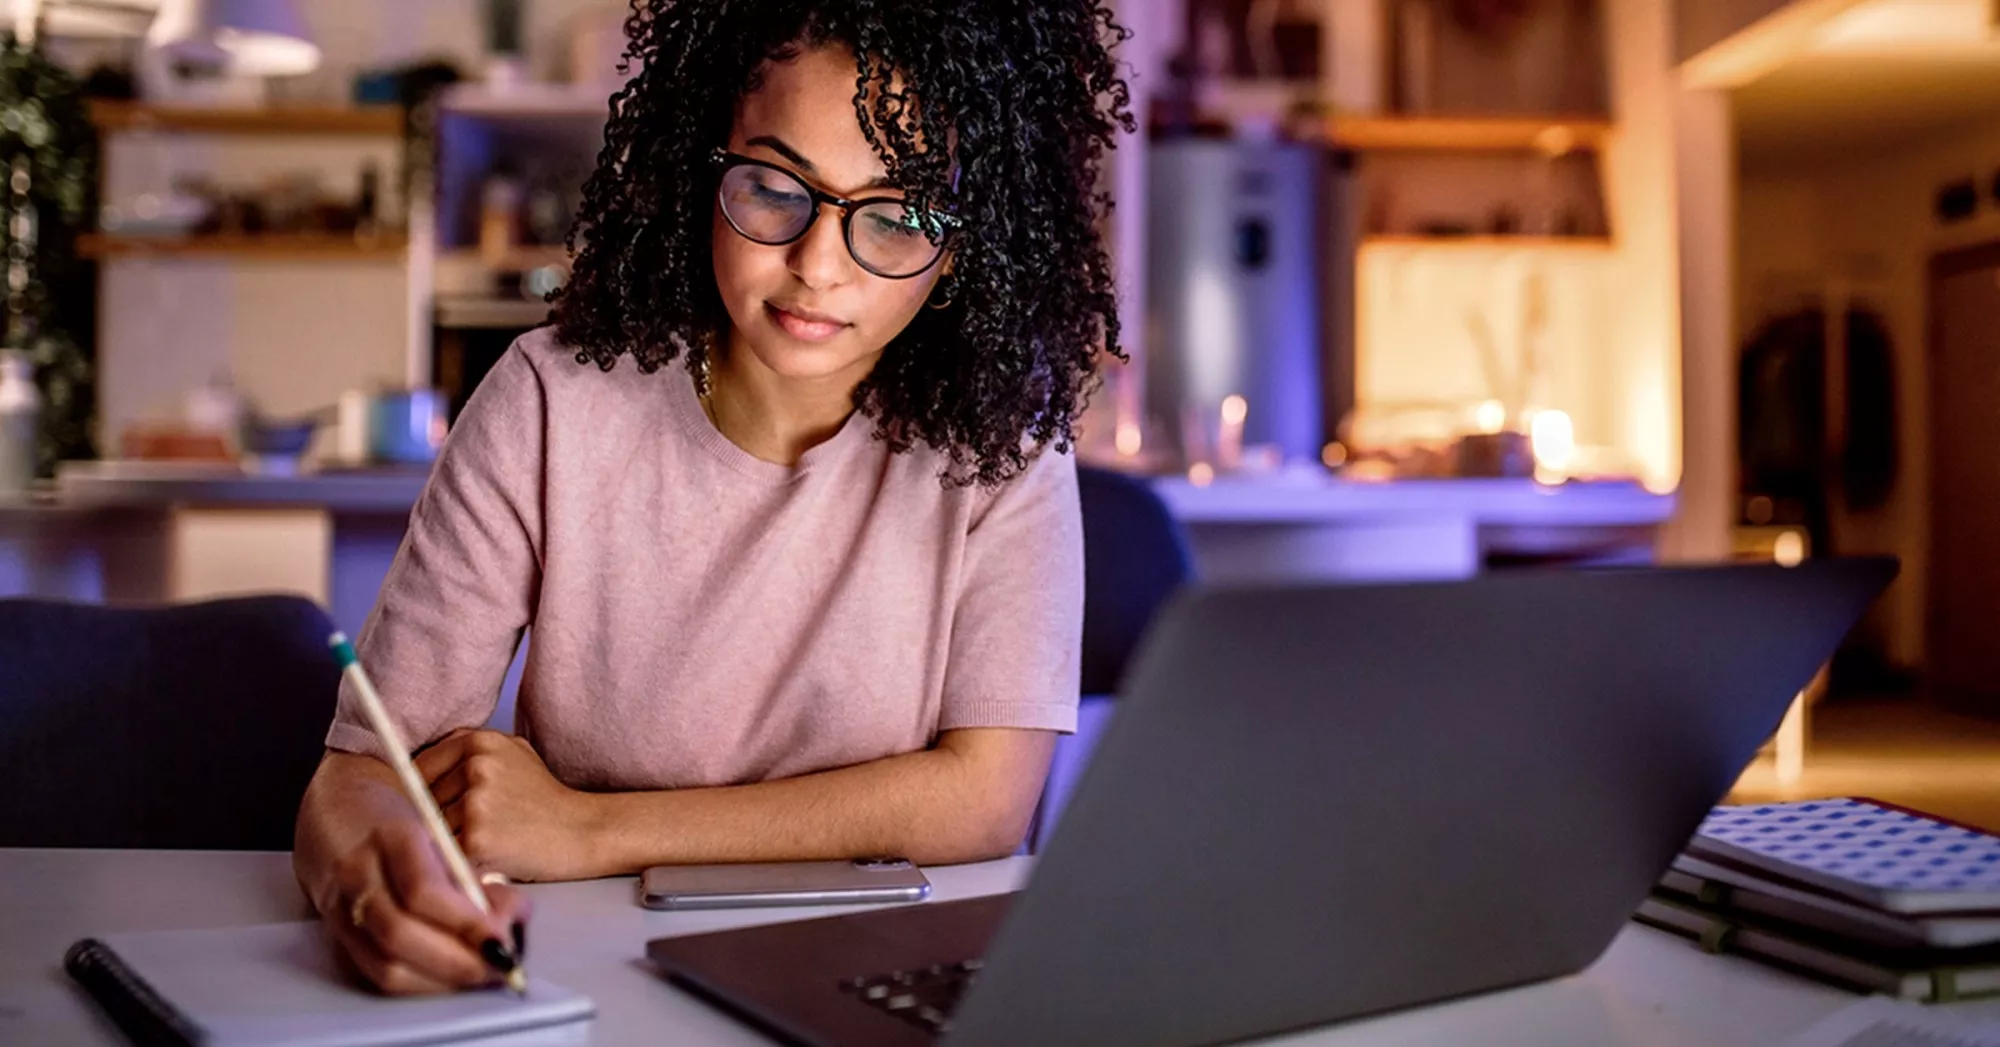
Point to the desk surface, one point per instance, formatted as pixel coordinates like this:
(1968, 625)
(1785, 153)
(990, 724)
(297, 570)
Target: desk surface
(1650, 989)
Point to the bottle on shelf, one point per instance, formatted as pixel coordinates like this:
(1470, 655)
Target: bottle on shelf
(500, 201)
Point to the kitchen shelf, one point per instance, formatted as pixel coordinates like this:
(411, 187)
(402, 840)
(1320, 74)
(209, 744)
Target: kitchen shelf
(529, 101)
(275, 247)
(373, 121)
(517, 259)
(1491, 243)
(1556, 135)
(490, 313)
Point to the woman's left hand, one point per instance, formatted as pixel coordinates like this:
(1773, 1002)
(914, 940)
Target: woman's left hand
(510, 814)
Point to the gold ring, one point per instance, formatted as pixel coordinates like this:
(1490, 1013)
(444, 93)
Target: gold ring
(494, 879)
(357, 912)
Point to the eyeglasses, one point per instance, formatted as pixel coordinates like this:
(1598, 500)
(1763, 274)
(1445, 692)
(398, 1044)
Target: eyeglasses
(772, 206)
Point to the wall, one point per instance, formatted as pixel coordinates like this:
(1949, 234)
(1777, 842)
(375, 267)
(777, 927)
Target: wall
(1613, 347)
(1865, 225)
(1705, 203)
(1701, 23)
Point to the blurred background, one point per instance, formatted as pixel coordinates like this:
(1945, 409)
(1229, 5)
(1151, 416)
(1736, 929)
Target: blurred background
(1414, 289)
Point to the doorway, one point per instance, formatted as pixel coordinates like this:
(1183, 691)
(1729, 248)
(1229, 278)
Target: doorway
(1962, 612)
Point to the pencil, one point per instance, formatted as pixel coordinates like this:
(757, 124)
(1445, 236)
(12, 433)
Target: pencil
(419, 793)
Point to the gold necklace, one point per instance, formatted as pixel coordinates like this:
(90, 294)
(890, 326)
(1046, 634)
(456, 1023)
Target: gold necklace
(704, 387)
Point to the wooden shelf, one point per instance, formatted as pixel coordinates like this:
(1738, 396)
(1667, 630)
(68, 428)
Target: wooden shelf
(466, 313)
(1491, 243)
(376, 120)
(1556, 135)
(519, 259)
(529, 101)
(274, 247)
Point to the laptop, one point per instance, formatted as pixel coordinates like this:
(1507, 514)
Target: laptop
(1323, 802)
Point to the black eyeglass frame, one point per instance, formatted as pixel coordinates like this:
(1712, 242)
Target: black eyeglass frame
(726, 161)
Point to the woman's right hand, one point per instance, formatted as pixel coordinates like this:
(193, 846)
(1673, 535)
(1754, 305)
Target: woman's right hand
(401, 920)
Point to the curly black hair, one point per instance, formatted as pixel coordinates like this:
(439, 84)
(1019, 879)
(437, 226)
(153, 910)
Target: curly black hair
(1029, 96)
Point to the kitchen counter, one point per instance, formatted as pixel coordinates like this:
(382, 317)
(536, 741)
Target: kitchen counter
(1315, 528)
(128, 531)
(148, 532)
(136, 485)
(1284, 500)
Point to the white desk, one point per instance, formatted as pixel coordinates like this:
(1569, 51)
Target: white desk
(1651, 989)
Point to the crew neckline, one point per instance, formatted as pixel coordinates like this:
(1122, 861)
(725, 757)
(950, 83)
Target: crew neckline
(695, 421)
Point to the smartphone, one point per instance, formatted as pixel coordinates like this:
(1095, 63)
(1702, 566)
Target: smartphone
(866, 880)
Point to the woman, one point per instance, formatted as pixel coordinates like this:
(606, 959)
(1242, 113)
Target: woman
(816, 593)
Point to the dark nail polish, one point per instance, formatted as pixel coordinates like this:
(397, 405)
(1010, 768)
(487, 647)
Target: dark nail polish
(520, 941)
(497, 956)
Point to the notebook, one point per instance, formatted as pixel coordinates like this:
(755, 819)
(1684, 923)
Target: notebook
(279, 984)
(1924, 975)
(1889, 858)
(1743, 890)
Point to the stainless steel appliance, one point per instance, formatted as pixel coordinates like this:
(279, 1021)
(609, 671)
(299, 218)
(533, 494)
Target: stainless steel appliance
(1249, 285)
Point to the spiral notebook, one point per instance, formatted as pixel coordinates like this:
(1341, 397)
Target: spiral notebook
(279, 984)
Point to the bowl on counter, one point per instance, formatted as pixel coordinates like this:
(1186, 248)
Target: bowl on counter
(276, 446)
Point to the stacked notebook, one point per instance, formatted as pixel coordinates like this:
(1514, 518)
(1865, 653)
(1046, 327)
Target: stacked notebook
(1855, 892)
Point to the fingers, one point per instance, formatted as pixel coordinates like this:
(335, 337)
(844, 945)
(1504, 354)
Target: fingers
(423, 885)
(405, 953)
(446, 753)
(405, 926)
(366, 959)
(451, 786)
(512, 908)
(391, 946)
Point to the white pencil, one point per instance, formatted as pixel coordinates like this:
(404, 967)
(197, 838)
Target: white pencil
(418, 791)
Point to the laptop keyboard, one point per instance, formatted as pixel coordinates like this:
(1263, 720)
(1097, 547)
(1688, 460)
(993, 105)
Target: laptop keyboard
(925, 996)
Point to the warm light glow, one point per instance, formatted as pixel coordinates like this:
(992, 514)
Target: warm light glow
(1234, 410)
(1553, 438)
(1890, 27)
(1792, 742)
(1201, 474)
(1334, 455)
(1129, 439)
(1557, 140)
(1789, 550)
(1490, 417)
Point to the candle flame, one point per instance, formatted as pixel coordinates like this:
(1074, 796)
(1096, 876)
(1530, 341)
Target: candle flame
(1129, 439)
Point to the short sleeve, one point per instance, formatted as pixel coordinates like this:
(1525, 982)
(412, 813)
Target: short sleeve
(463, 584)
(1017, 632)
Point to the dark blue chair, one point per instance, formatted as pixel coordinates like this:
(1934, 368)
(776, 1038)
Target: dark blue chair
(191, 726)
(1135, 555)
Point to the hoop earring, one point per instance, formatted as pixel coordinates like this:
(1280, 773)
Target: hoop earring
(949, 285)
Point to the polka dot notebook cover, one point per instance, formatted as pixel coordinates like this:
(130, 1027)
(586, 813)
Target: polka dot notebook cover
(1893, 859)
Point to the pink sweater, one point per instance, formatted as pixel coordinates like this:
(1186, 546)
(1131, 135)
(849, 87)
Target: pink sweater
(700, 617)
